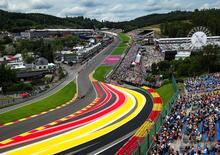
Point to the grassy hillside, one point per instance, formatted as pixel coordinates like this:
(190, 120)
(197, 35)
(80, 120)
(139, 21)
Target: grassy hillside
(175, 23)
(123, 44)
(166, 92)
(14, 22)
(208, 18)
(152, 19)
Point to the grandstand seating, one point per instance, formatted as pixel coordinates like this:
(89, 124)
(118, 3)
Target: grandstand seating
(193, 126)
(204, 83)
(133, 73)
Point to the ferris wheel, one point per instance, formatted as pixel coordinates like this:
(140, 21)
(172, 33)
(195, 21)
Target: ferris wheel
(198, 37)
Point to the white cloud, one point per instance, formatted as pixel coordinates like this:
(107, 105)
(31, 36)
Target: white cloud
(116, 10)
(40, 4)
(91, 3)
(74, 11)
(211, 5)
(3, 4)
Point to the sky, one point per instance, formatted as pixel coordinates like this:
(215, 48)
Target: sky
(111, 10)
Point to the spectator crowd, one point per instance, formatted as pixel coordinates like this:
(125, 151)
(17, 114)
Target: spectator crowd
(204, 83)
(151, 56)
(134, 73)
(193, 126)
(128, 71)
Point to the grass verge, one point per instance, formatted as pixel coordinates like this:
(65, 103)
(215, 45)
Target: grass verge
(123, 44)
(166, 92)
(101, 72)
(57, 99)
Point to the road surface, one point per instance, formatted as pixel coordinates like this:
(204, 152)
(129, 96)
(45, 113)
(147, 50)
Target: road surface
(100, 122)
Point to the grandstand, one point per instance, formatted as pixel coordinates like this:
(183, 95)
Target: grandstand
(182, 43)
(146, 36)
(188, 124)
(202, 84)
(45, 33)
(180, 46)
(131, 66)
(193, 126)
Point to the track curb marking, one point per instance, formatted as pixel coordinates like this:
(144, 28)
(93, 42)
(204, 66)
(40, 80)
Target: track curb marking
(132, 144)
(90, 106)
(67, 140)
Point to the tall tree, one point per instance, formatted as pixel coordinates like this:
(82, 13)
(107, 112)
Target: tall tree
(211, 56)
(7, 77)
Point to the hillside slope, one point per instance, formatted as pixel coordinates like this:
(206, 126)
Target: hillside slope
(13, 22)
(171, 23)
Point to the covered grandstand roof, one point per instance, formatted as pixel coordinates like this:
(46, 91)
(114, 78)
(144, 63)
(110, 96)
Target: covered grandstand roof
(61, 30)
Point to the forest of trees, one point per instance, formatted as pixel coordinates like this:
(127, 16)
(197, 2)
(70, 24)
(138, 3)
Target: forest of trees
(17, 22)
(207, 18)
(7, 78)
(173, 24)
(151, 20)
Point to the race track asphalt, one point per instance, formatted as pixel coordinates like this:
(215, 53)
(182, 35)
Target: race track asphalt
(85, 87)
(100, 142)
(106, 144)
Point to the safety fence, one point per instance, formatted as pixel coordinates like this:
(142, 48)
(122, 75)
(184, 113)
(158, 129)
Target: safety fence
(141, 143)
